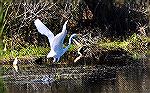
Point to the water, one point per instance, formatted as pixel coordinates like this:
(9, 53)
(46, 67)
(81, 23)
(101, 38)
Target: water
(133, 77)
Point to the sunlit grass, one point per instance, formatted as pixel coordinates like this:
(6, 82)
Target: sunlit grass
(25, 52)
(115, 45)
(136, 45)
(2, 85)
(133, 45)
(4, 6)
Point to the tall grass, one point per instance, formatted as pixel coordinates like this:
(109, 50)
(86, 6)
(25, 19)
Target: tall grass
(21, 32)
(4, 6)
(2, 85)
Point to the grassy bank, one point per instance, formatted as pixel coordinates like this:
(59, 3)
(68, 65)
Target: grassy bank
(135, 45)
(28, 52)
(19, 37)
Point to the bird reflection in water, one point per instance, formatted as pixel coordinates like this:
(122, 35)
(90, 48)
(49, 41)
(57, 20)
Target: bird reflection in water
(46, 79)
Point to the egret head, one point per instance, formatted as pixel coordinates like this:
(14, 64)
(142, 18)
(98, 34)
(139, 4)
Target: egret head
(73, 35)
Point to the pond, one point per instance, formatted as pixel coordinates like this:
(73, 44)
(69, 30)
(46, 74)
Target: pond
(33, 78)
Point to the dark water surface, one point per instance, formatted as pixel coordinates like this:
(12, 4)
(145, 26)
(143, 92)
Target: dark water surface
(33, 78)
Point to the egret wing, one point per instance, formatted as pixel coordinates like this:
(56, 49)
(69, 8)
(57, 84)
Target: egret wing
(44, 30)
(57, 44)
(59, 38)
(64, 27)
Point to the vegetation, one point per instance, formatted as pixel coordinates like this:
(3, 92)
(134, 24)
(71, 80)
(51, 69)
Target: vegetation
(28, 52)
(4, 6)
(2, 86)
(133, 45)
(96, 24)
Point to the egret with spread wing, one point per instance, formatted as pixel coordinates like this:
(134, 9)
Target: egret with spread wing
(56, 42)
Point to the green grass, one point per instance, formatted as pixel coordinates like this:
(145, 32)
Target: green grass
(27, 52)
(4, 6)
(114, 45)
(2, 85)
(134, 45)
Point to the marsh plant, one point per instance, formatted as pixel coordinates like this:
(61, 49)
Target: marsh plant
(4, 6)
(96, 24)
(20, 29)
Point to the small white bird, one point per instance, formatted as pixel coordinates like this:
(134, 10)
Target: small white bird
(56, 42)
(15, 64)
(15, 61)
(5, 48)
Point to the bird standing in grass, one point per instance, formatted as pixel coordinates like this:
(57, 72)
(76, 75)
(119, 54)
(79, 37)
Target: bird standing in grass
(56, 42)
(15, 64)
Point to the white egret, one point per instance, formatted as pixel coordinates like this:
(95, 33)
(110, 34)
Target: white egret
(56, 42)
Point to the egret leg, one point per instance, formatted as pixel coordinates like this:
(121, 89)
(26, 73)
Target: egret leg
(58, 59)
(54, 60)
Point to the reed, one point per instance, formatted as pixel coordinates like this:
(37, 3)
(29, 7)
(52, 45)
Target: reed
(4, 6)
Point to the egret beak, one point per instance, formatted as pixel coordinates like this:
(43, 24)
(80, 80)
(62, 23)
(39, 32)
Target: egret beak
(79, 35)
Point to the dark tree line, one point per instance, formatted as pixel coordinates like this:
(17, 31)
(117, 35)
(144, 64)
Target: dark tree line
(119, 18)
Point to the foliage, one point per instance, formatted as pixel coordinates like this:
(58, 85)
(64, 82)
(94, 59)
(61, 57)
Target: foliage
(21, 31)
(118, 19)
(133, 45)
(2, 85)
(30, 51)
(136, 45)
(4, 6)
(22, 39)
(135, 41)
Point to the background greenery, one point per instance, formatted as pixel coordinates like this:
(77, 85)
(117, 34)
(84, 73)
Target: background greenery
(106, 24)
